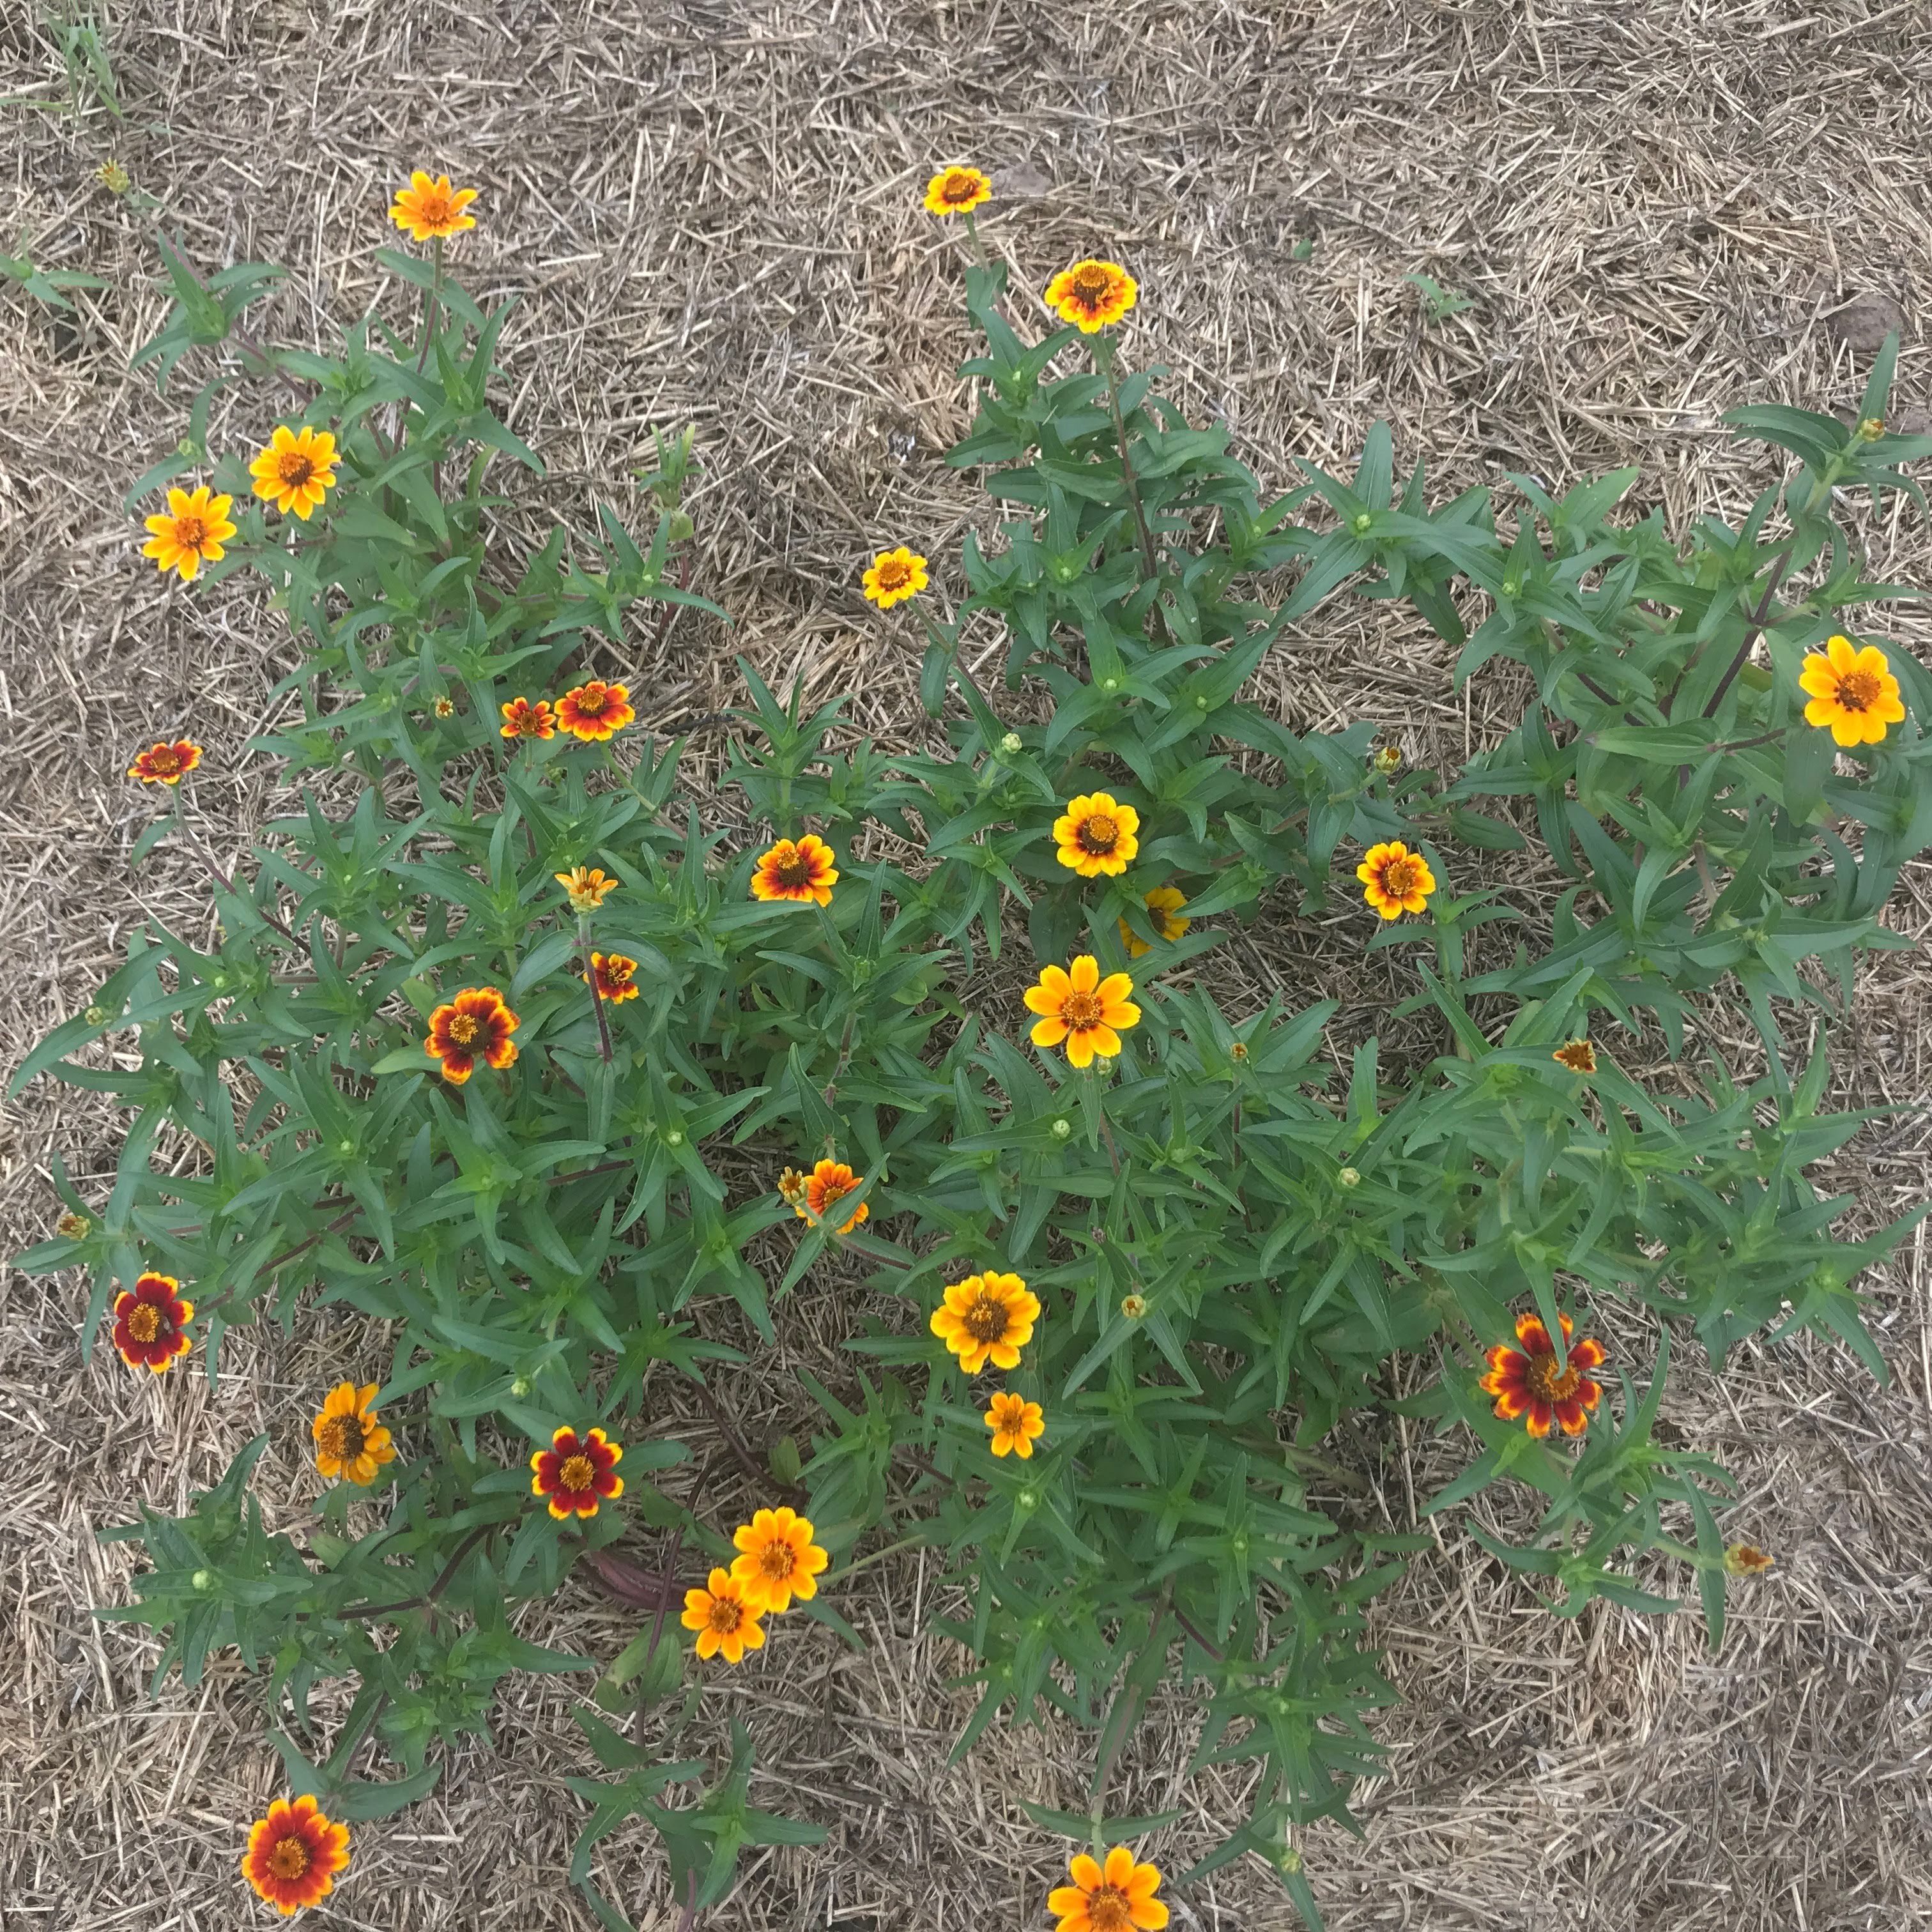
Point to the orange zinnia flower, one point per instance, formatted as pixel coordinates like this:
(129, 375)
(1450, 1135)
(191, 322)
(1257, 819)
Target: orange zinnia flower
(523, 719)
(1096, 835)
(1164, 903)
(1091, 294)
(576, 1475)
(1578, 1055)
(293, 1855)
(297, 470)
(957, 191)
(1746, 1559)
(722, 1619)
(585, 886)
(595, 710)
(1016, 1423)
(430, 209)
(164, 764)
(894, 576)
(812, 1195)
(1853, 693)
(807, 870)
(1395, 879)
(1113, 1898)
(1531, 1384)
(151, 1322)
(350, 1444)
(475, 1025)
(614, 975)
(987, 1317)
(191, 534)
(777, 1561)
(1077, 1006)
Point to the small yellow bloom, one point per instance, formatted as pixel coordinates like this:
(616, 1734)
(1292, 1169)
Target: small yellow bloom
(1578, 1055)
(987, 1317)
(722, 1619)
(350, 1445)
(1112, 1897)
(777, 1561)
(191, 534)
(1076, 1005)
(1016, 1424)
(586, 887)
(1091, 294)
(429, 208)
(297, 470)
(1096, 835)
(1853, 694)
(957, 191)
(894, 575)
(1164, 903)
(1395, 879)
(792, 874)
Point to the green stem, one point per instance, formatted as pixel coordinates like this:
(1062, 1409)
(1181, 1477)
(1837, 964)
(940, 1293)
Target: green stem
(432, 304)
(590, 980)
(1103, 354)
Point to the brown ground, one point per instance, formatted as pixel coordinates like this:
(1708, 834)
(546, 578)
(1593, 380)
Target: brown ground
(709, 209)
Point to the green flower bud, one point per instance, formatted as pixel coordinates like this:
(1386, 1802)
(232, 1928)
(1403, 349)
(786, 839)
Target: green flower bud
(681, 528)
(520, 1387)
(1010, 744)
(1110, 684)
(95, 1016)
(1348, 1178)
(73, 1227)
(1133, 1306)
(1061, 1129)
(204, 1579)
(1363, 524)
(675, 1138)
(1289, 1860)
(1871, 428)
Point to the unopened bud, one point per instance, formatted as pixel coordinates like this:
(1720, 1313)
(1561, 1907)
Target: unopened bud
(1133, 1306)
(1238, 1052)
(95, 1016)
(113, 177)
(1061, 1129)
(520, 1387)
(204, 1579)
(675, 1138)
(74, 1227)
(791, 1187)
(1871, 428)
(1288, 1860)
(1348, 1178)
(681, 528)
(1010, 744)
(445, 707)
(1388, 758)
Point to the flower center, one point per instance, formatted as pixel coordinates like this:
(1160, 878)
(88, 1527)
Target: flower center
(435, 206)
(1099, 833)
(793, 870)
(1550, 1383)
(727, 1614)
(296, 469)
(191, 532)
(164, 761)
(987, 1320)
(618, 974)
(1089, 289)
(778, 1560)
(1081, 1010)
(290, 1859)
(576, 1473)
(894, 575)
(591, 702)
(342, 1437)
(463, 1029)
(959, 187)
(1108, 1910)
(145, 1323)
(1399, 877)
(1858, 690)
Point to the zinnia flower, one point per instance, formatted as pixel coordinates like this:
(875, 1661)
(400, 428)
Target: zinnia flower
(1578, 1055)
(1746, 1559)
(191, 534)
(1163, 904)
(777, 1561)
(1096, 835)
(614, 975)
(807, 870)
(151, 1322)
(812, 1195)
(297, 470)
(164, 764)
(430, 209)
(350, 1444)
(577, 1475)
(595, 711)
(585, 886)
(894, 575)
(1853, 693)
(444, 707)
(523, 719)
(475, 1025)
(293, 1855)
(1531, 1383)
(957, 191)
(987, 1317)
(722, 1619)
(1091, 294)
(1118, 1897)
(1395, 879)
(1077, 1006)
(1015, 1424)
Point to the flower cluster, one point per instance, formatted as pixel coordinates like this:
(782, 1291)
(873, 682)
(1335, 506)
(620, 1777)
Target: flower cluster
(811, 1196)
(777, 1561)
(593, 712)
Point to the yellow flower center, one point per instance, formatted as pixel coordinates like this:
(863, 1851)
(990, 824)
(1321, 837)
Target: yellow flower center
(145, 1323)
(191, 532)
(1549, 1383)
(295, 469)
(591, 702)
(726, 1614)
(987, 1320)
(463, 1029)
(777, 1560)
(342, 1437)
(793, 869)
(1108, 1910)
(290, 1859)
(1080, 1011)
(1091, 285)
(576, 1473)
(1401, 877)
(617, 972)
(1858, 690)
(895, 573)
(1099, 833)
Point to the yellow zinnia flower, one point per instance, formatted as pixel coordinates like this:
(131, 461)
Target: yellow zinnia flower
(894, 576)
(1096, 835)
(1395, 879)
(777, 1561)
(1164, 903)
(1853, 694)
(296, 470)
(191, 534)
(957, 191)
(1113, 1898)
(1075, 1005)
(1016, 1424)
(429, 208)
(350, 1445)
(1091, 294)
(987, 1317)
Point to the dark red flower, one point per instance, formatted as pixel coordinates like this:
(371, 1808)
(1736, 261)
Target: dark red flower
(1533, 1385)
(151, 1323)
(577, 1475)
(475, 1025)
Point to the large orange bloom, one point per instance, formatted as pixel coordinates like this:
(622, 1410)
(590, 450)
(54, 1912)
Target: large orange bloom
(1111, 1898)
(614, 975)
(523, 719)
(293, 1855)
(1095, 836)
(807, 870)
(576, 1475)
(1077, 1006)
(1395, 879)
(191, 534)
(777, 1561)
(429, 208)
(1091, 294)
(987, 1317)
(1532, 1383)
(164, 764)
(350, 1444)
(297, 470)
(595, 711)
(151, 1322)
(722, 1618)
(475, 1025)
(1853, 694)
(957, 191)
(893, 576)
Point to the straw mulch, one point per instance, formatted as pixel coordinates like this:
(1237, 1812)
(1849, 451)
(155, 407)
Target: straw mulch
(709, 211)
